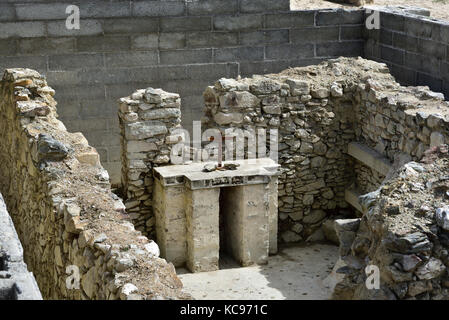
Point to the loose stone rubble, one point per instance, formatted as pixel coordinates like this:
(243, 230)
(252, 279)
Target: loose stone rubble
(403, 232)
(65, 214)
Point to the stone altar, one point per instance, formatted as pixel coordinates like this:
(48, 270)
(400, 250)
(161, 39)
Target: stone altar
(189, 204)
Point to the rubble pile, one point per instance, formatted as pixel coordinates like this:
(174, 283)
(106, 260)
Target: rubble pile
(404, 232)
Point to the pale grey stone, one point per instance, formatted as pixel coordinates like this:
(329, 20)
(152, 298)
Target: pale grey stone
(442, 217)
(298, 87)
(431, 269)
(163, 113)
(436, 139)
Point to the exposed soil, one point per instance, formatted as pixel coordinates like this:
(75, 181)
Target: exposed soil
(337, 70)
(439, 9)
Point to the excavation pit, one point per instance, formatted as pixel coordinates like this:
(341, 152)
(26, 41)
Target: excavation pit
(320, 112)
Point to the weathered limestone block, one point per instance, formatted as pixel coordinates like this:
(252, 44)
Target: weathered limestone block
(164, 113)
(158, 96)
(264, 86)
(273, 215)
(140, 146)
(170, 222)
(239, 100)
(228, 118)
(436, 139)
(202, 215)
(90, 157)
(298, 87)
(144, 130)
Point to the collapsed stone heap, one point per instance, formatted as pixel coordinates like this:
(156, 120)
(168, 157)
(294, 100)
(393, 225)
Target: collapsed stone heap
(404, 232)
(60, 200)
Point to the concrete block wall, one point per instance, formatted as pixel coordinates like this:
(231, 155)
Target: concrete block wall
(415, 47)
(180, 46)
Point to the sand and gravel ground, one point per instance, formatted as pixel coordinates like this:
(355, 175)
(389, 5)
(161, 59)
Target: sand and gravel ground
(295, 273)
(439, 9)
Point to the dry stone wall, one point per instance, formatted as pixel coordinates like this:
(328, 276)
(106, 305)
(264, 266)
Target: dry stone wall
(314, 124)
(398, 122)
(366, 179)
(182, 46)
(65, 214)
(393, 119)
(147, 120)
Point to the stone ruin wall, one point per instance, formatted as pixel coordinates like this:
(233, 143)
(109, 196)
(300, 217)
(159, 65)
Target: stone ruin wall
(313, 134)
(65, 64)
(178, 45)
(397, 122)
(304, 187)
(393, 119)
(60, 200)
(71, 231)
(147, 120)
(405, 222)
(316, 121)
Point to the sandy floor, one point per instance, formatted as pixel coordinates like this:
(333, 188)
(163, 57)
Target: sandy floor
(439, 8)
(296, 273)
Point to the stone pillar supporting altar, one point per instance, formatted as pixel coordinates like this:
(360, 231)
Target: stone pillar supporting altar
(170, 222)
(202, 228)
